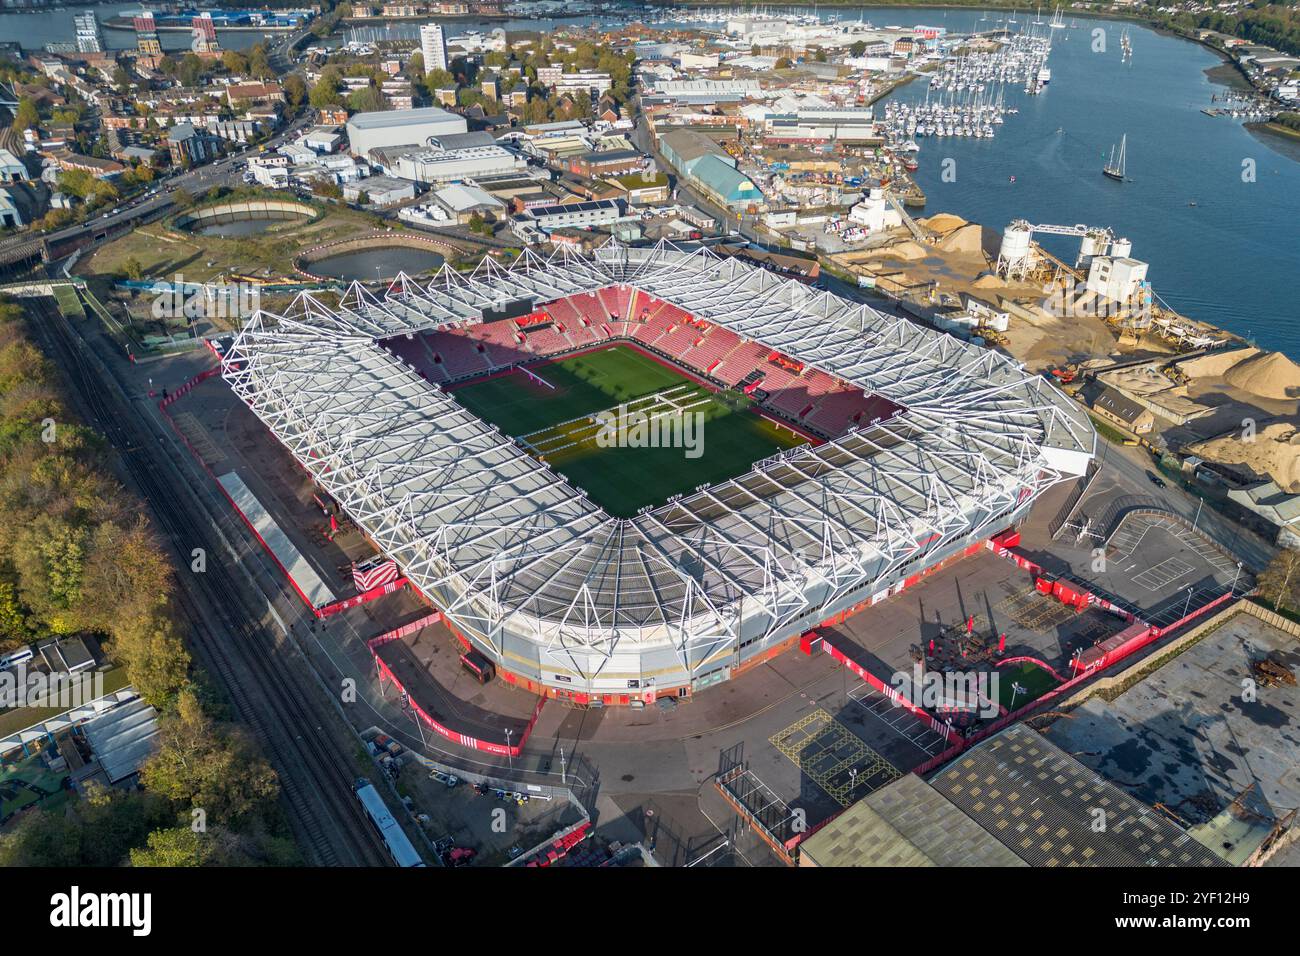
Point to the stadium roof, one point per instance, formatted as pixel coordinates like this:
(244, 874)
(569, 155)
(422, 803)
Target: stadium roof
(499, 541)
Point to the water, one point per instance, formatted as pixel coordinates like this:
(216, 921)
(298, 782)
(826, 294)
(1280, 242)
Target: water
(1231, 259)
(383, 263)
(34, 30)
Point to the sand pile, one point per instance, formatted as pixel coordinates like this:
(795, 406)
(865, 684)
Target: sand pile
(989, 282)
(908, 250)
(943, 222)
(966, 239)
(1216, 364)
(1268, 375)
(1273, 451)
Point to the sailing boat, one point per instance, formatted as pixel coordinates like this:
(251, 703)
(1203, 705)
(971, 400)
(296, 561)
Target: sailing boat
(1115, 168)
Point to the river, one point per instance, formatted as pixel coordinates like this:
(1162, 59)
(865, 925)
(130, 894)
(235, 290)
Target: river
(1230, 259)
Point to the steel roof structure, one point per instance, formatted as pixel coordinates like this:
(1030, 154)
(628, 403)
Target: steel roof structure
(507, 547)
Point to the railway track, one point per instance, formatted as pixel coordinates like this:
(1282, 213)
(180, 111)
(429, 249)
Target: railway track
(270, 692)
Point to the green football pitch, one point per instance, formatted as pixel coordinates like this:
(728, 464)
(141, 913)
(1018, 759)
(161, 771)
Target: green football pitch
(556, 422)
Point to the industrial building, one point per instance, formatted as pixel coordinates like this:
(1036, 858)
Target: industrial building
(707, 166)
(379, 190)
(702, 92)
(816, 126)
(577, 214)
(449, 165)
(1015, 799)
(367, 131)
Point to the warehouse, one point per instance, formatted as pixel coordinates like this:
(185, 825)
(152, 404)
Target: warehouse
(704, 163)
(449, 165)
(367, 131)
(579, 214)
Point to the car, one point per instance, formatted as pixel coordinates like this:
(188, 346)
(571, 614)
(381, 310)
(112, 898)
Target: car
(1155, 479)
(446, 779)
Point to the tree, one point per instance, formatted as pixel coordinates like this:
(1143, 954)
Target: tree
(259, 63)
(295, 90)
(13, 618)
(190, 70)
(235, 62)
(176, 846)
(132, 269)
(154, 657)
(439, 79)
(128, 573)
(1279, 583)
(325, 93)
(783, 63)
(49, 555)
(27, 116)
(366, 100)
(203, 764)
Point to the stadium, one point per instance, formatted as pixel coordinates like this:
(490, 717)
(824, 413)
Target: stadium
(844, 453)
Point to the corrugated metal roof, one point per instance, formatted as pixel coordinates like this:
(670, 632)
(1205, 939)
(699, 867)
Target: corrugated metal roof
(124, 738)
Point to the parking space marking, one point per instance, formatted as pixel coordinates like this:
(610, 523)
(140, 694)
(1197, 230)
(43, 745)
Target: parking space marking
(899, 719)
(1159, 575)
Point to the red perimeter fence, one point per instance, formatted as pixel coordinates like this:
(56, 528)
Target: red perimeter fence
(465, 740)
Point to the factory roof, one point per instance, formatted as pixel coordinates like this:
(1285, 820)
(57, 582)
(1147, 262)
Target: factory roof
(384, 119)
(906, 823)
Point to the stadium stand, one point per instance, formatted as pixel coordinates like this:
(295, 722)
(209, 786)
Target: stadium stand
(805, 396)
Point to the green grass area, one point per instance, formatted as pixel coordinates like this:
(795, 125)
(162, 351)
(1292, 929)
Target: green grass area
(1109, 432)
(1035, 681)
(621, 479)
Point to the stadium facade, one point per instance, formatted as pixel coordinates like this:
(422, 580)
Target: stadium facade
(571, 601)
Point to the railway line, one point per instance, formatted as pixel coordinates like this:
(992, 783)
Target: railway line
(270, 692)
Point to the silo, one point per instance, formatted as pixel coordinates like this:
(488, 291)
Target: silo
(1015, 257)
(1121, 248)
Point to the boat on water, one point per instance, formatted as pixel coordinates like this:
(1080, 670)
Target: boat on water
(1115, 168)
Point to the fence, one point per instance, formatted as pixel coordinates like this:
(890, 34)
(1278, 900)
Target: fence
(442, 730)
(943, 730)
